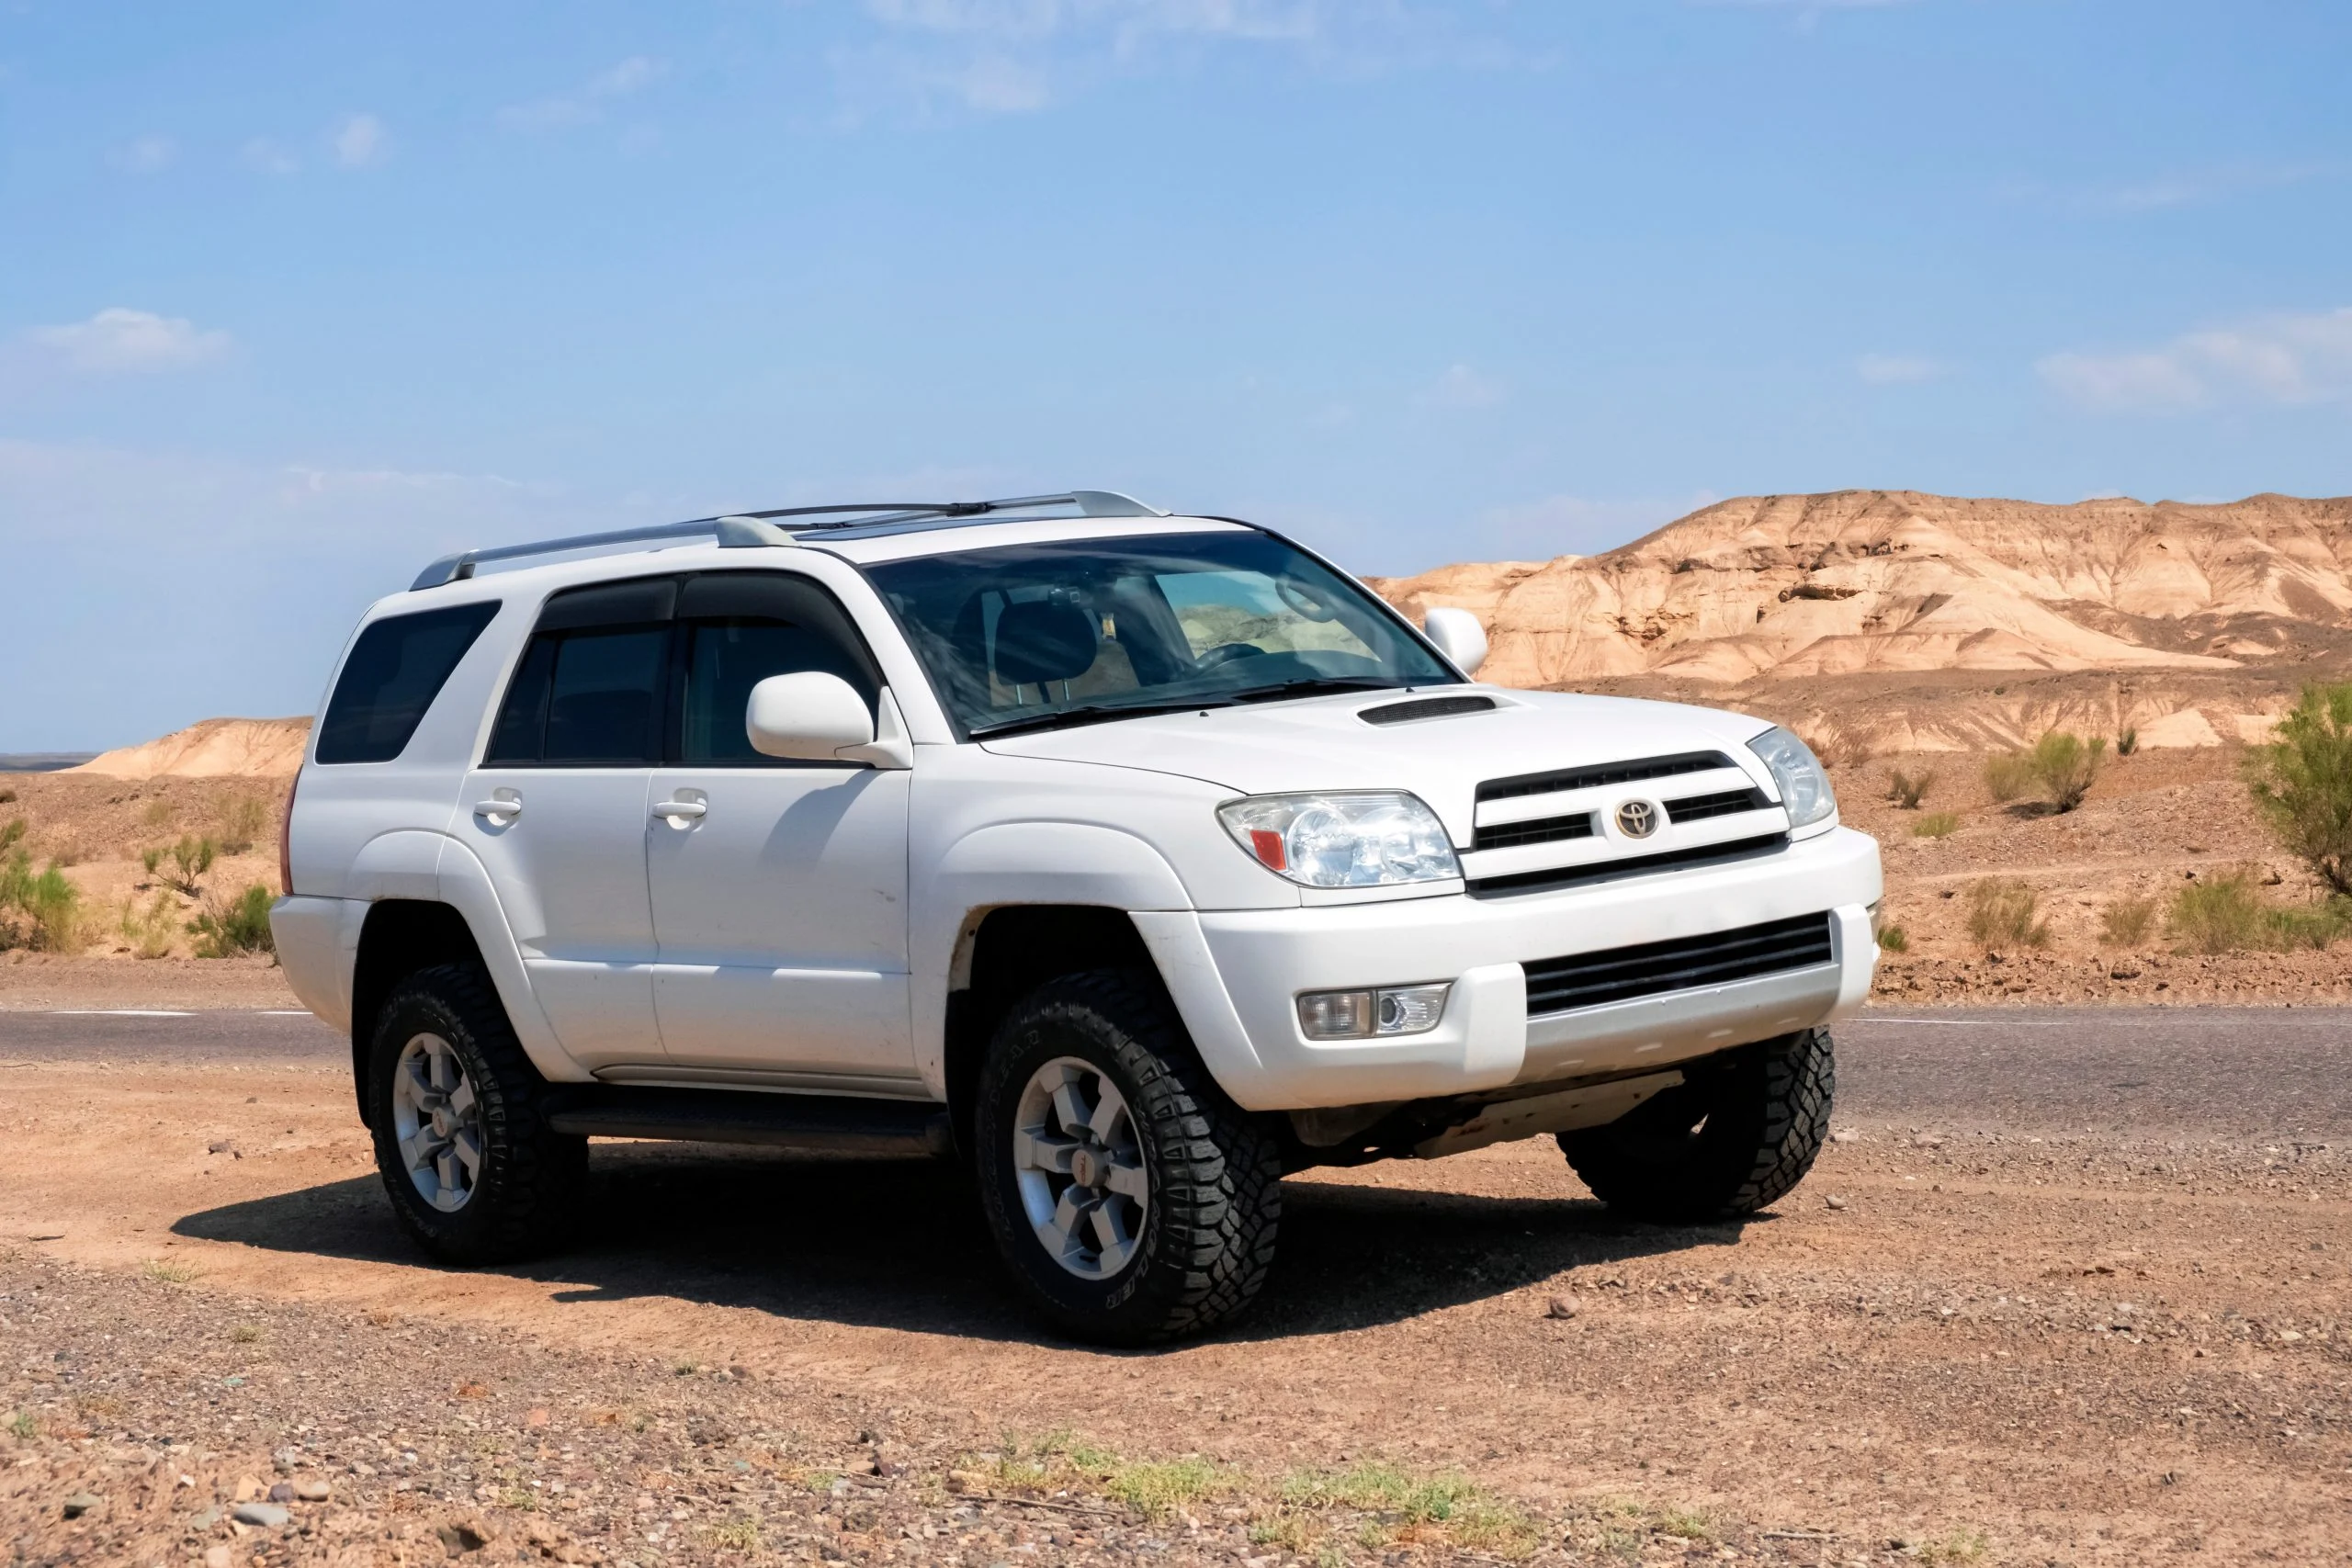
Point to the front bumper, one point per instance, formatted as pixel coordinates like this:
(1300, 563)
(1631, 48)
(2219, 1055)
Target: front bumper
(1235, 977)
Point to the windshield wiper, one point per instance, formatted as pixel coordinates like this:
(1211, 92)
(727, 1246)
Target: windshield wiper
(1321, 686)
(1093, 712)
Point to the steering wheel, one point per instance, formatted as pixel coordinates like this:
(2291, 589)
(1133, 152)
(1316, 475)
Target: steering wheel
(1306, 603)
(1226, 653)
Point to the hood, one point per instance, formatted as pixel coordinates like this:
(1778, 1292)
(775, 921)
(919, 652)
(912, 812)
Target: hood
(1324, 743)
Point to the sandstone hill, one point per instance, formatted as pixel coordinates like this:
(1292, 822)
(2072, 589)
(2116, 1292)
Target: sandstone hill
(2189, 620)
(212, 748)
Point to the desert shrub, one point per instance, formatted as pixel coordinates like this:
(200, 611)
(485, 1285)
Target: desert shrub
(2227, 913)
(2127, 922)
(160, 812)
(41, 911)
(1936, 825)
(10, 834)
(2127, 743)
(2008, 776)
(239, 925)
(7, 797)
(2001, 914)
(148, 932)
(1892, 939)
(2065, 766)
(1907, 791)
(191, 858)
(240, 819)
(2303, 782)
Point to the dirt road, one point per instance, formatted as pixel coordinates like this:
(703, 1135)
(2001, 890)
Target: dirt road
(2082, 1297)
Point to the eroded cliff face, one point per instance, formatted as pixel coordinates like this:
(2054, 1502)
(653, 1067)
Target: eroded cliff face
(212, 748)
(1861, 581)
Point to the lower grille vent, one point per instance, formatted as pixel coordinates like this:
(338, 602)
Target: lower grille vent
(1543, 830)
(1730, 803)
(1620, 974)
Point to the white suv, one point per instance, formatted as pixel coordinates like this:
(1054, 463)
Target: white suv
(1132, 859)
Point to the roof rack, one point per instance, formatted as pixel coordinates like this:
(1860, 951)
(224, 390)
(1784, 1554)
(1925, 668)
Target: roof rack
(756, 530)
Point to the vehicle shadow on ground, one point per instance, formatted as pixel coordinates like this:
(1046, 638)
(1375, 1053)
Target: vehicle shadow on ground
(898, 1244)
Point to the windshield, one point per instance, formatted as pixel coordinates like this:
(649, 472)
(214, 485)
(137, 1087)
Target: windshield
(1022, 636)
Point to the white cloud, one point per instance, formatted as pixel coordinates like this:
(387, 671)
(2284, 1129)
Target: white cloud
(147, 154)
(267, 156)
(1463, 388)
(586, 103)
(1897, 369)
(359, 140)
(118, 340)
(2282, 358)
(1015, 56)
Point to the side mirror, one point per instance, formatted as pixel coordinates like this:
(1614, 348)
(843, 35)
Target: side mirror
(820, 719)
(1459, 637)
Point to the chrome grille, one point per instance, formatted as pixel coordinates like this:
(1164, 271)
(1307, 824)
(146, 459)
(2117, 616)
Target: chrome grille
(1651, 968)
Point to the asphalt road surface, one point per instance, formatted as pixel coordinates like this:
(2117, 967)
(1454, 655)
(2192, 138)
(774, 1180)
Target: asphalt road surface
(2233, 1072)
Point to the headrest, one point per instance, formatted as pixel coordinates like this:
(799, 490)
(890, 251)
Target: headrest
(1044, 639)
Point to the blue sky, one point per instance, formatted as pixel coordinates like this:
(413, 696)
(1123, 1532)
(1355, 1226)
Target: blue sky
(293, 297)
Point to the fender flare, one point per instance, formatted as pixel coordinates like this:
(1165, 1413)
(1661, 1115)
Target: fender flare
(464, 884)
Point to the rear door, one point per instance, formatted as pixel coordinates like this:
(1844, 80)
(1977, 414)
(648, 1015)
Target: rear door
(779, 888)
(557, 812)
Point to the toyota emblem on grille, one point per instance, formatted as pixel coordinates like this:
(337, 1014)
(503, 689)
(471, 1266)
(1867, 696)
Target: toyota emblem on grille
(1637, 819)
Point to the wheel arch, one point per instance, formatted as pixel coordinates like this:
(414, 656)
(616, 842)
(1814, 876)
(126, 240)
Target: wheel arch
(399, 937)
(1002, 953)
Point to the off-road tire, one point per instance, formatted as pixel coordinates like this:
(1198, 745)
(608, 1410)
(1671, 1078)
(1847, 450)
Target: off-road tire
(1214, 1170)
(1736, 1136)
(527, 1195)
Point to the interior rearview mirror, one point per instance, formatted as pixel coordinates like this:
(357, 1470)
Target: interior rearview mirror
(819, 717)
(1458, 636)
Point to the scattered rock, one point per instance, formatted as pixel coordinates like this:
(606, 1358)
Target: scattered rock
(281, 1493)
(217, 1557)
(1844, 1136)
(468, 1535)
(79, 1504)
(960, 1481)
(2124, 970)
(248, 1489)
(1561, 1306)
(261, 1516)
(311, 1489)
(1834, 1202)
(218, 1146)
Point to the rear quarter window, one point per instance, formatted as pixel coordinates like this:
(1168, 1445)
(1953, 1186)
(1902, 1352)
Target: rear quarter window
(396, 669)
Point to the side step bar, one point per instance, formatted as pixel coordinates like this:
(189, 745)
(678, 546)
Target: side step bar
(815, 1123)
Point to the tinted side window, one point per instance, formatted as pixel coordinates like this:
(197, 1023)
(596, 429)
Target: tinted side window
(395, 669)
(588, 692)
(742, 628)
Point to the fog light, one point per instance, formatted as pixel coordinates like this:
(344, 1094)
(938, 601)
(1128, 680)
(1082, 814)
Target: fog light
(1361, 1015)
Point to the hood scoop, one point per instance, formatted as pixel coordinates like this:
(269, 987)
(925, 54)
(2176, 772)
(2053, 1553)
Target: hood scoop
(1428, 708)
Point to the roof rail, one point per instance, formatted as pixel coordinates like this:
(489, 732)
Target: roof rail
(753, 530)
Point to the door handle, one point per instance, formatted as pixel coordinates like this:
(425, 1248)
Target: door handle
(493, 809)
(673, 811)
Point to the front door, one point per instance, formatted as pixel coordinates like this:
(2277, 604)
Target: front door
(779, 888)
(557, 813)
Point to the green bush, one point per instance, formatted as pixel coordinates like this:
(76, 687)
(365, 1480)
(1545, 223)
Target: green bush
(10, 834)
(2127, 743)
(1906, 791)
(2127, 922)
(191, 858)
(2303, 782)
(1892, 939)
(2001, 914)
(1936, 825)
(240, 819)
(43, 911)
(2065, 766)
(148, 932)
(2227, 914)
(2008, 776)
(240, 925)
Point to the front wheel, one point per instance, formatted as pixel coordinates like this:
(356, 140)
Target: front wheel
(1735, 1137)
(1132, 1202)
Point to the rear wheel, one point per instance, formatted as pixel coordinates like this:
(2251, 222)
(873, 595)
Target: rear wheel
(1736, 1136)
(1131, 1200)
(473, 1171)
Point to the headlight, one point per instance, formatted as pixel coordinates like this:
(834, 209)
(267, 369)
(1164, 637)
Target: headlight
(1344, 840)
(1804, 788)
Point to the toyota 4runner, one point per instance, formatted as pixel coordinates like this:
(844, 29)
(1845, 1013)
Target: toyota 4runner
(1132, 860)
